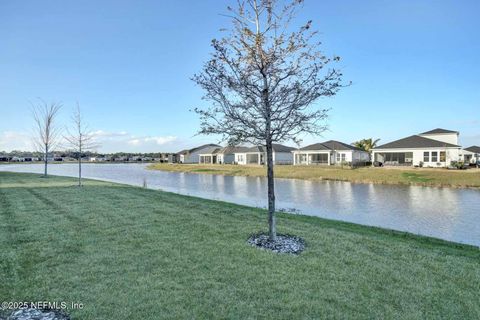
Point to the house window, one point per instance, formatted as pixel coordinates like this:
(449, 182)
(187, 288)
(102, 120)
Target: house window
(320, 158)
(426, 156)
(408, 157)
(338, 157)
(443, 156)
(434, 156)
(341, 157)
(344, 157)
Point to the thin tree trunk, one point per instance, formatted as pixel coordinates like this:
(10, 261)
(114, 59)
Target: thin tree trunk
(46, 160)
(80, 168)
(272, 224)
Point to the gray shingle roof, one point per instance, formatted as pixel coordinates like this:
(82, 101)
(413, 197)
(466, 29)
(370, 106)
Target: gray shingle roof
(230, 150)
(416, 142)
(474, 149)
(330, 145)
(276, 148)
(208, 150)
(199, 148)
(439, 130)
(282, 148)
(337, 145)
(316, 146)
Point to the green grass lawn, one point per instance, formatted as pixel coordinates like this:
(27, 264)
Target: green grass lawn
(130, 253)
(403, 176)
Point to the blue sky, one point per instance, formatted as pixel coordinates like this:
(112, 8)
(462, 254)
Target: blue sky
(414, 66)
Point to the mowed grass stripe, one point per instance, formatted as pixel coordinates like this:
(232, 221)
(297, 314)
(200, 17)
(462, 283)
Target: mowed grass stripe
(128, 252)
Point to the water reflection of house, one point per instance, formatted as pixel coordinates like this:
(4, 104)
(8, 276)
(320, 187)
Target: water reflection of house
(434, 148)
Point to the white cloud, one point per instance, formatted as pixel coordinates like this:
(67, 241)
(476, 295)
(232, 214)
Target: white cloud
(161, 140)
(107, 142)
(14, 140)
(134, 142)
(100, 134)
(124, 141)
(158, 140)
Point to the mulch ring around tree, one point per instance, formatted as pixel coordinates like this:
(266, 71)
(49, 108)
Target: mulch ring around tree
(36, 314)
(283, 244)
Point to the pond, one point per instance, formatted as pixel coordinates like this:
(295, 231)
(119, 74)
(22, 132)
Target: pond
(446, 213)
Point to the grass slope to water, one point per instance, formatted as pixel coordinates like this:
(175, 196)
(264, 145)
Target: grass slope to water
(403, 176)
(132, 253)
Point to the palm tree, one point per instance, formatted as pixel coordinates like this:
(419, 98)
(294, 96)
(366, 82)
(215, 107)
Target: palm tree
(366, 144)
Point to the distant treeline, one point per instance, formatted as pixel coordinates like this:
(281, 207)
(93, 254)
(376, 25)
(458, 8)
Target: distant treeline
(88, 154)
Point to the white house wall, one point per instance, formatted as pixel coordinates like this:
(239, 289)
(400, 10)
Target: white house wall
(194, 157)
(241, 158)
(308, 153)
(278, 157)
(451, 155)
(348, 156)
(351, 156)
(451, 138)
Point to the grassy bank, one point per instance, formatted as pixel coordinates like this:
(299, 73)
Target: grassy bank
(402, 176)
(131, 253)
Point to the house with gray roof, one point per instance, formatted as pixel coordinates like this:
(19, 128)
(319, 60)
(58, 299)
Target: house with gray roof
(471, 155)
(225, 155)
(258, 155)
(329, 153)
(434, 148)
(193, 155)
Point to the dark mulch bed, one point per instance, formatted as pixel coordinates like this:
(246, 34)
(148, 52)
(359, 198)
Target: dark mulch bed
(36, 314)
(283, 244)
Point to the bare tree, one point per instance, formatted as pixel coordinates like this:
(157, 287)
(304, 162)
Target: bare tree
(80, 139)
(46, 133)
(263, 81)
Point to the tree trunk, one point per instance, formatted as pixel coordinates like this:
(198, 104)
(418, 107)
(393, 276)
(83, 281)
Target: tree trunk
(46, 160)
(80, 169)
(272, 224)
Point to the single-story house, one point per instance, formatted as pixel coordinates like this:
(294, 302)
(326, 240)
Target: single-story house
(163, 157)
(329, 153)
(193, 155)
(220, 155)
(209, 155)
(172, 158)
(30, 158)
(471, 155)
(258, 155)
(434, 148)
